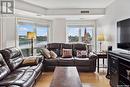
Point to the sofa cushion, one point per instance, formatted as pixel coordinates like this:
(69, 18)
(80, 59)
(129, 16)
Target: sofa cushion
(53, 46)
(67, 53)
(56, 47)
(22, 78)
(66, 61)
(51, 62)
(66, 46)
(78, 46)
(57, 51)
(35, 67)
(82, 61)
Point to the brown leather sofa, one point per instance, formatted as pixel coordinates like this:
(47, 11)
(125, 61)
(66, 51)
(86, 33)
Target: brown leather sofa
(83, 64)
(13, 73)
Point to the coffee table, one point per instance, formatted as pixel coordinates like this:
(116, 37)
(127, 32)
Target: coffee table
(66, 77)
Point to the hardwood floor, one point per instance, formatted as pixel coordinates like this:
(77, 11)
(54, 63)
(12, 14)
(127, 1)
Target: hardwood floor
(87, 79)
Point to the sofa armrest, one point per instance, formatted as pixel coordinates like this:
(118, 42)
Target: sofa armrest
(92, 56)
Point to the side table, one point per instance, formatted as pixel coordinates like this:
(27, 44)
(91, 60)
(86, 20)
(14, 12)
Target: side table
(101, 55)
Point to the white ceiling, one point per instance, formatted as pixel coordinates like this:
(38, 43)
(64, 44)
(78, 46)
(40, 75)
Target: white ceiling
(51, 17)
(74, 17)
(55, 4)
(66, 4)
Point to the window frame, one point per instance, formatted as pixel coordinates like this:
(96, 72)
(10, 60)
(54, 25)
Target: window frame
(34, 29)
(79, 31)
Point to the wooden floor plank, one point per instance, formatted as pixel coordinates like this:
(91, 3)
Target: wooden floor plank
(87, 79)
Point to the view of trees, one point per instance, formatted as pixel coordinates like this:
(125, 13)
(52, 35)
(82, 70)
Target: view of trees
(78, 34)
(76, 38)
(73, 38)
(23, 39)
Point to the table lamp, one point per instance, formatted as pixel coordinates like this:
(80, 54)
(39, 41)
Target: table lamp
(100, 38)
(31, 36)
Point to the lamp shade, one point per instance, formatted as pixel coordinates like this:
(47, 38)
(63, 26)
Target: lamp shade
(31, 35)
(100, 37)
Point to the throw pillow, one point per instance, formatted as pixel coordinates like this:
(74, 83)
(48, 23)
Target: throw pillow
(30, 61)
(53, 54)
(81, 53)
(46, 53)
(67, 53)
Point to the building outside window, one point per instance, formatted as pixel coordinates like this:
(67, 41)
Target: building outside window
(76, 33)
(41, 35)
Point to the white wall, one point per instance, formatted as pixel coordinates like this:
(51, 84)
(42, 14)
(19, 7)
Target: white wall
(59, 30)
(22, 5)
(75, 11)
(0, 31)
(7, 35)
(117, 11)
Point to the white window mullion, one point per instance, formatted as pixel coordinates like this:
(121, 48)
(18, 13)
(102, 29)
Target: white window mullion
(80, 35)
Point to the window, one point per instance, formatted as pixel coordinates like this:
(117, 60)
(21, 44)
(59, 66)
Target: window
(89, 32)
(41, 35)
(73, 34)
(22, 33)
(76, 34)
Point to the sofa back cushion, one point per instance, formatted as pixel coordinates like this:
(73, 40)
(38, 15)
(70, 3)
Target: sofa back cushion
(4, 70)
(66, 46)
(78, 46)
(54, 47)
(12, 56)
